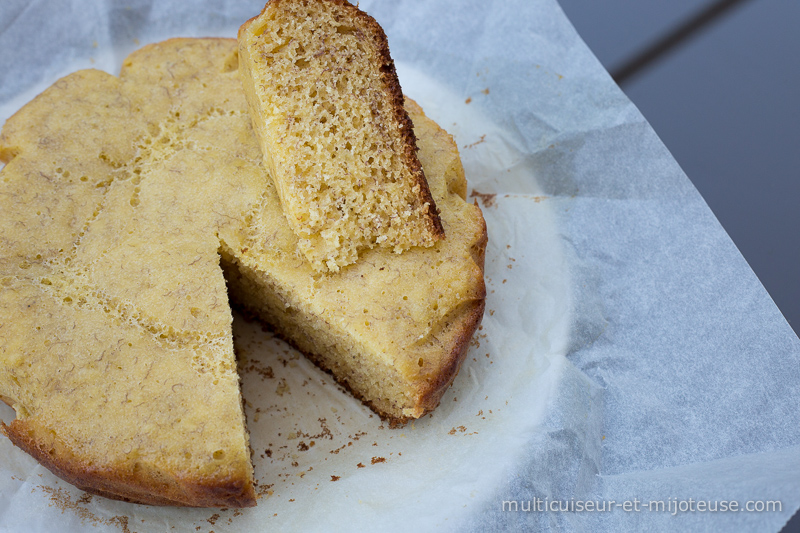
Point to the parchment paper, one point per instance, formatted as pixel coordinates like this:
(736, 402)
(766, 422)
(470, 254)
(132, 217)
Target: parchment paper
(628, 352)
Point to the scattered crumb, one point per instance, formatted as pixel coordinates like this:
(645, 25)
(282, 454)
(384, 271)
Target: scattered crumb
(61, 498)
(487, 199)
(264, 372)
(282, 388)
(476, 143)
(361, 465)
(468, 100)
(324, 434)
(485, 91)
(376, 460)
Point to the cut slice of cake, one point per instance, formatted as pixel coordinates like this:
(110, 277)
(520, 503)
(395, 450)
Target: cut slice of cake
(328, 110)
(128, 203)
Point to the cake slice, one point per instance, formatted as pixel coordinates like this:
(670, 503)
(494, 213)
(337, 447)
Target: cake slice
(328, 110)
(133, 208)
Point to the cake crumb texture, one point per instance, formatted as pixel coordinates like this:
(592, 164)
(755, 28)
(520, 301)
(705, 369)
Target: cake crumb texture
(328, 110)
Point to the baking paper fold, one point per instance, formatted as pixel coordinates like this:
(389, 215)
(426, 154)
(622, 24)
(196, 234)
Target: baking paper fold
(628, 353)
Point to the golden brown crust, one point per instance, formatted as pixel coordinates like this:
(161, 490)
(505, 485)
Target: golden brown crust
(129, 486)
(392, 86)
(459, 332)
(463, 329)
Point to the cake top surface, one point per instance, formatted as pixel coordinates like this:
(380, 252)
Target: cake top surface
(115, 197)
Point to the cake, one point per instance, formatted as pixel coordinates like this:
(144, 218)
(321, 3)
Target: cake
(328, 110)
(133, 208)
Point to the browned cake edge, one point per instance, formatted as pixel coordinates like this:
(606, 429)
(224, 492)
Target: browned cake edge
(131, 486)
(457, 335)
(392, 86)
(462, 330)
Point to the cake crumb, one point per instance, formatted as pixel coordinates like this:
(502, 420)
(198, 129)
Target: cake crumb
(376, 460)
(476, 143)
(487, 199)
(282, 388)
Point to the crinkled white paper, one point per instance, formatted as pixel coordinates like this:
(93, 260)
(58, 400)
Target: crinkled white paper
(628, 353)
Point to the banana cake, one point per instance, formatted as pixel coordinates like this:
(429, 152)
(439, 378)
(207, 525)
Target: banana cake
(135, 209)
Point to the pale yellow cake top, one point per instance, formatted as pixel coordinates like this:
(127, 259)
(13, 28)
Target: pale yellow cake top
(117, 349)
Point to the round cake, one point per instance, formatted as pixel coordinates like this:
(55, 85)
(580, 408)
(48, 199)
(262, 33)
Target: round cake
(136, 209)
